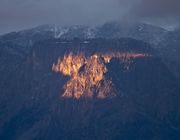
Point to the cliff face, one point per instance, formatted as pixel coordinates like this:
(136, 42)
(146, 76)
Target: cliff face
(95, 89)
(87, 74)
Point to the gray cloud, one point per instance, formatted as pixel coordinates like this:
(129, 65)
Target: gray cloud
(164, 13)
(17, 14)
(158, 8)
(25, 13)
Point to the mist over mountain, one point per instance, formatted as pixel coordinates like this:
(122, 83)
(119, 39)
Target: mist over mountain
(18, 14)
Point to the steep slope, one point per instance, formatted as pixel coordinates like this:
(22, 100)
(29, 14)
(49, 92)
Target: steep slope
(169, 50)
(144, 103)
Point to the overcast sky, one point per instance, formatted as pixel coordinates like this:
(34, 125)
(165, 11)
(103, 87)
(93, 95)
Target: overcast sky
(19, 14)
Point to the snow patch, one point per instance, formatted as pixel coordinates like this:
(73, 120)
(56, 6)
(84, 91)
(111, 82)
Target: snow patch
(90, 33)
(59, 32)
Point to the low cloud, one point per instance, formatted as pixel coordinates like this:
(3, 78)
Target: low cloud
(17, 14)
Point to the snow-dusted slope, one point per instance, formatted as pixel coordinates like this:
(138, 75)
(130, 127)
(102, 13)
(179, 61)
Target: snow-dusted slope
(109, 30)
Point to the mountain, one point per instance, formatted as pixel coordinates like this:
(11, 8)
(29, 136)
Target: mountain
(88, 89)
(165, 42)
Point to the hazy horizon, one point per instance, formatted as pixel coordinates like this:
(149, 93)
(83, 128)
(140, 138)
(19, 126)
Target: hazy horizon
(23, 14)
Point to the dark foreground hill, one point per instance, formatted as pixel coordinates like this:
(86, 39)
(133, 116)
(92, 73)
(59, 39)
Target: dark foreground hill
(87, 90)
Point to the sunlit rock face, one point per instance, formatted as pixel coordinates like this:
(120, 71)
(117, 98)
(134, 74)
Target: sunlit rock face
(142, 102)
(87, 73)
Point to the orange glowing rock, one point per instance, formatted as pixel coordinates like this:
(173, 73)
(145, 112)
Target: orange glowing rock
(87, 74)
(70, 64)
